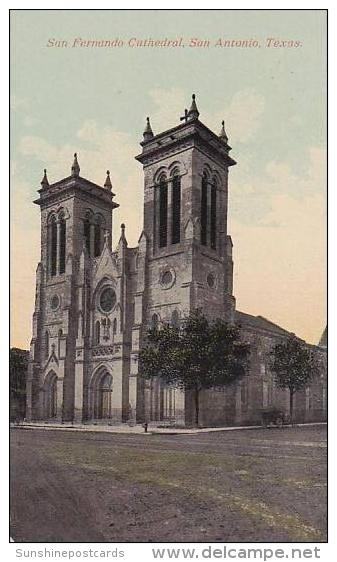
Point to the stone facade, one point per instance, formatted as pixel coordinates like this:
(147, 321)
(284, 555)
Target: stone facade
(93, 304)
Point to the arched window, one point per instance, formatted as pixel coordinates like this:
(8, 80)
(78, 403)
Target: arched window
(163, 212)
(154, 321)
(97, 332)
(176, 197)
(97, 240)
(213, 215)
(62, 253)
(105, 396)
(114, 326)
(203, 210)
(53, 246)
(50, 395)
(86, 233)
(175, 319)
(46, 345)
(60, 333)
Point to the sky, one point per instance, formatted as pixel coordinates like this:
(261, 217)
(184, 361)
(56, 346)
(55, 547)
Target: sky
(95, 100)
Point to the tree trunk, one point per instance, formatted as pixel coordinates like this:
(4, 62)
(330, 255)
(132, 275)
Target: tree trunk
(291, 406)
(197, 407)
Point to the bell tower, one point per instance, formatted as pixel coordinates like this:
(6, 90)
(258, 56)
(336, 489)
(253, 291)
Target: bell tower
(185, 253)
(185, 218)
(76, 218)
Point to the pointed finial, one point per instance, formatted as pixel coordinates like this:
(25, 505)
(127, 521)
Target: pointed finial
(122, 239)
(193, 112)
(222, 134)
(75, 169)
(148, 133)
(108, 184)
(45, 181)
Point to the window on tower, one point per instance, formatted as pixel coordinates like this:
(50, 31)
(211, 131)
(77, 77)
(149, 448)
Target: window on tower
(163, 212)
(86, 232)
(176, 196)
(53, 246)
(97, 332)
(203, 210)
(97, 241)
(60, 333)
(213, 215)
(62, 258)
(46, 345)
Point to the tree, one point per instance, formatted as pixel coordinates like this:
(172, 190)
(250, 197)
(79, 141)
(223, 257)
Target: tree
(18, 363)
(195, 356)
(293, 365)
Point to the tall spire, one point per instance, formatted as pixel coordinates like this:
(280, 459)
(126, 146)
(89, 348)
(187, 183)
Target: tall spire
(148, 133)
(45, 181)
(75, 169)
(222, 134)
(108, 184)
(193, 112)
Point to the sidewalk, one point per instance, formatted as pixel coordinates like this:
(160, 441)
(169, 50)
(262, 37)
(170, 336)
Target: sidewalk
(135, 429)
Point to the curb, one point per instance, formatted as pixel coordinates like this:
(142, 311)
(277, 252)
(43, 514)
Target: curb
(156, 431)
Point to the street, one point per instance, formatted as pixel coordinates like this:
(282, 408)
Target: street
(234, 486)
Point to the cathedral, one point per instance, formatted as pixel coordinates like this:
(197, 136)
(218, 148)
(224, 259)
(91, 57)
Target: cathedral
(94, 302)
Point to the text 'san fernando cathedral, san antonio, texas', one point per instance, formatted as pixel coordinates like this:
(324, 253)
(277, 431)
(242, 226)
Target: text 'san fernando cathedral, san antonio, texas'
(94, 304)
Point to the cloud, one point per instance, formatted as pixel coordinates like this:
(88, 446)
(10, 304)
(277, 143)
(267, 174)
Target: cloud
(17, 102)
(169, 107)
(313, 179)
(252, 195)
(29, 121)
(242, 115)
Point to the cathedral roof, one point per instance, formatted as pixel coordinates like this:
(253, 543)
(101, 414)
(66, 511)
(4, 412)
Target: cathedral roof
(260, 323)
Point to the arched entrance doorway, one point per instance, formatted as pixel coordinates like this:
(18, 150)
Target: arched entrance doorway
(101, 395)
(50, 395)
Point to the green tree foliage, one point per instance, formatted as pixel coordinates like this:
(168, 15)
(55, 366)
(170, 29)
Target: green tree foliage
(293, 365)
(18, 363)
(195, 356)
